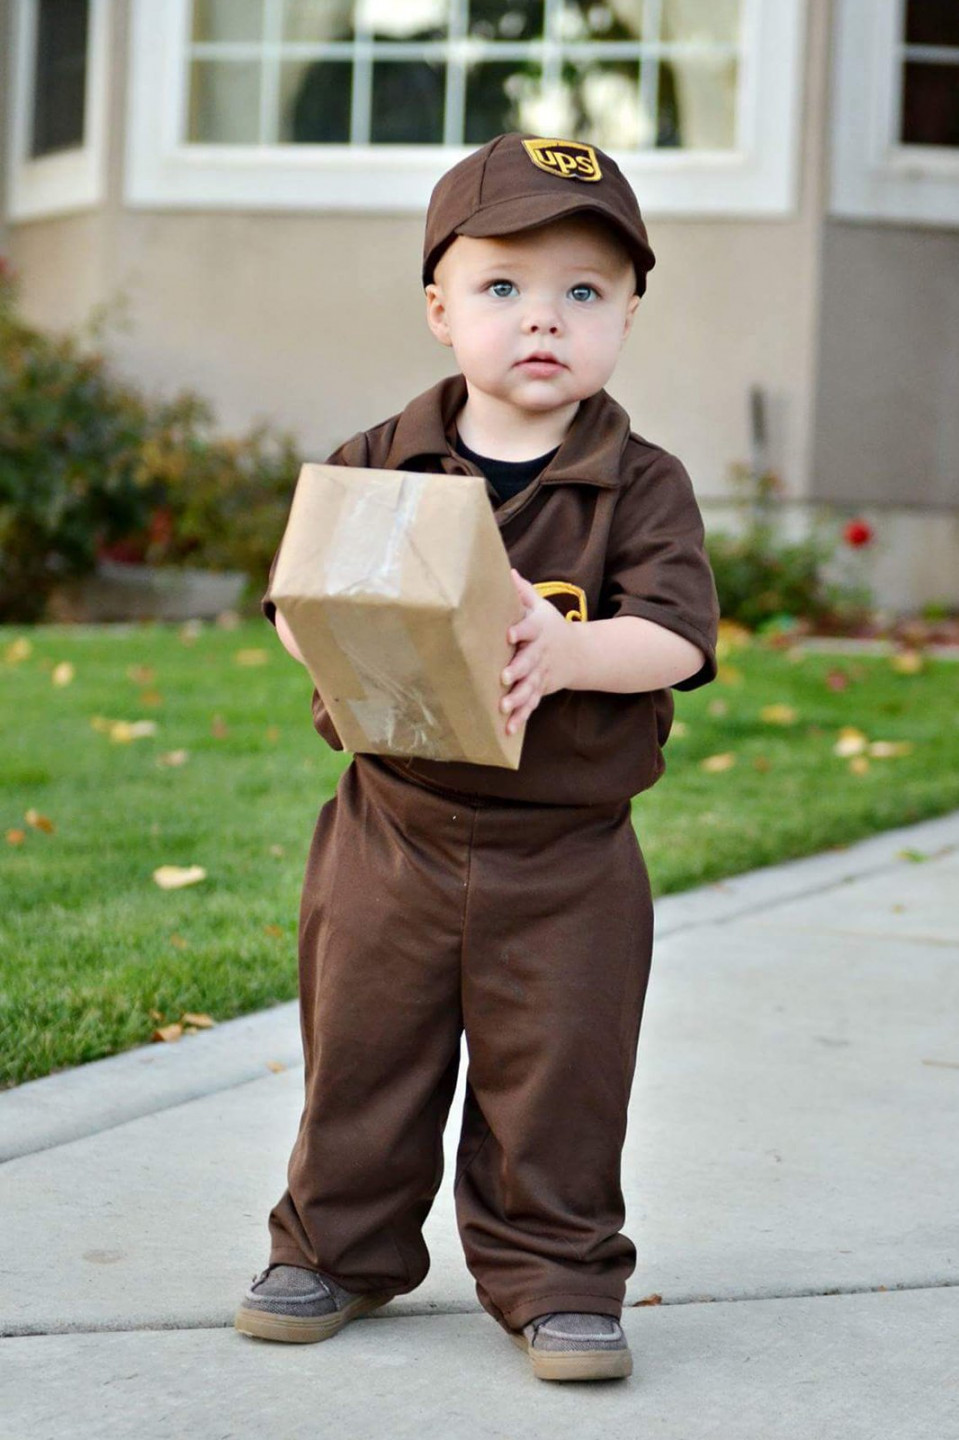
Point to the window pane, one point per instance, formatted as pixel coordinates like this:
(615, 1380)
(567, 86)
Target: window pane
(500, 96)
(715, 20)
(930, 105)
(932, 22)
(317, 20)
(404, 19)
(611, 20)
(697, 104)
(512, 20)
(227, 19)
(602, 100)
(224, 102)
(60, 76)
(315, 98)
(407, 103)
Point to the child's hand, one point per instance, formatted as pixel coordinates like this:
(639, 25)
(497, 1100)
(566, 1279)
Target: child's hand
(543, 660)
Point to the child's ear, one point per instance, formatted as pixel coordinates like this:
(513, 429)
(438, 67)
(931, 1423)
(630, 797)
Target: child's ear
(436, 314)
(631, 309)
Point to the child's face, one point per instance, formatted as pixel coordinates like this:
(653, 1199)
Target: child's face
(537, 320)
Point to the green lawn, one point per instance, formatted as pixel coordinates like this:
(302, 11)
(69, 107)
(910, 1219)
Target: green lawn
(90, 945)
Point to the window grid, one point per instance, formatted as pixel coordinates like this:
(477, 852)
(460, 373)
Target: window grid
(458, 52)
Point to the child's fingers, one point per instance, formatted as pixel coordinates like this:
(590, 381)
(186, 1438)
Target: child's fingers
(522, 693)
(526, 659)
(526, 592)
(519, 717)
(529, 628)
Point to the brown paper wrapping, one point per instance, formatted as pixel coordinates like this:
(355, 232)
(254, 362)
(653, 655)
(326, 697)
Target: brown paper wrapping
(397, 590)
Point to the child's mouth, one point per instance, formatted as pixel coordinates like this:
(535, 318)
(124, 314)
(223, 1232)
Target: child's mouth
(541, 365)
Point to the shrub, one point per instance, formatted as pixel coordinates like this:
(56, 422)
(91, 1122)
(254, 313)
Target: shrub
(91, 469)
(71, 439)
(764, 581)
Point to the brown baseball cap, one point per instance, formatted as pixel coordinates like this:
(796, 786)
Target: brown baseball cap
(517, 182)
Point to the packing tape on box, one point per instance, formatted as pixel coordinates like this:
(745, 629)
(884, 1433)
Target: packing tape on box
(396, 710)
(367, 547)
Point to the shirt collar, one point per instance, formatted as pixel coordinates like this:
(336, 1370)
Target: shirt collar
(591, 452)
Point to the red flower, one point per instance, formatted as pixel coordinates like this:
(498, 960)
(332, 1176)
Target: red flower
(857, 533)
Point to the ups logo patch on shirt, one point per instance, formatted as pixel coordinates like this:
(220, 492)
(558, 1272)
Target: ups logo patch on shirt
(567, 159)
(569, 599)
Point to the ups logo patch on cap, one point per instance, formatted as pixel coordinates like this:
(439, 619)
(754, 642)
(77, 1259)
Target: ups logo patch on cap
(567, 159)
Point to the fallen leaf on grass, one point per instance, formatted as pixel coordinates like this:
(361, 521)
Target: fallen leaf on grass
(837, 680)
(732, 636)
(907, 662)
(761, 763)
(276, 1066)
(779, 714)
(155, 1014)
(273, 733)
(718, 707)
(648, 1300)
(729, 675)
(851, 742)
(859, 765)
(251, 657)
(141, 674)
(167, 1033)
(715, 763)
(39, 822)
(63, 673)
(175, 877)
(274, 931)
(888, 749)
(680, 728)
(227, 620)
(179, 943)
(219, 729)
(199, 1022)
(16, 837)
(18, 651)
(151, 698)
(172, 759)
(122, 732)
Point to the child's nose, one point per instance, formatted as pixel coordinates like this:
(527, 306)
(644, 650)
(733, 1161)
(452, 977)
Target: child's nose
(542, 319)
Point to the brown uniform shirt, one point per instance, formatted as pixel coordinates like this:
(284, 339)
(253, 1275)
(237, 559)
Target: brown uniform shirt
(612, 515)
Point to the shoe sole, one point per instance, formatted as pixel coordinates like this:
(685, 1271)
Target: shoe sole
(576, 1364)
(300, 1329)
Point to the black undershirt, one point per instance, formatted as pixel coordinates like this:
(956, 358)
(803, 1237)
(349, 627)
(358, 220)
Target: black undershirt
(507, 477)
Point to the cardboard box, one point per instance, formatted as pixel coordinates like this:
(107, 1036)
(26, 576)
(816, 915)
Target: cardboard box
(397, 590)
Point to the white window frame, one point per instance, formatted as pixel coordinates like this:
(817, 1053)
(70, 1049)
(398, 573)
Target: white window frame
(874, 177)
(67, 180)
(759, 179)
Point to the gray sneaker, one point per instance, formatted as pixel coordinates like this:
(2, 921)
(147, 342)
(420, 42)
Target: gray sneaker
(571, 1346)
(300, 1306)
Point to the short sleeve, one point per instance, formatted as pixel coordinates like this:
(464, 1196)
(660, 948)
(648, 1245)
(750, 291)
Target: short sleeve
(656, 565)
(353, 452)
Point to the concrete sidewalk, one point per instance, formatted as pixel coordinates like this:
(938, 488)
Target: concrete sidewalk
(791, 1175)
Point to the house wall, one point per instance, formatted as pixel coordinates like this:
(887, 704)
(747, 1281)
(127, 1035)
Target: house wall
(316, 321)
(887, 405)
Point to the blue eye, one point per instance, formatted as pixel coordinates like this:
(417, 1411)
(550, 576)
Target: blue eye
(583, 292)
(502, 289)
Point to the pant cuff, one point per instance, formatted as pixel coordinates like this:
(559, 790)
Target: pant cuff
(289, 1255)
(576, 1301)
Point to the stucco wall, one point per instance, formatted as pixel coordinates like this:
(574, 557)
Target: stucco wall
(316, 321)
(888, 366)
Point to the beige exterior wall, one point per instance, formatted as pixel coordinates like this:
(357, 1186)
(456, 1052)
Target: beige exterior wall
(316, 321)
(888, 366)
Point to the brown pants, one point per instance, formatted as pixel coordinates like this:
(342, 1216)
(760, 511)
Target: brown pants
(527, 926)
